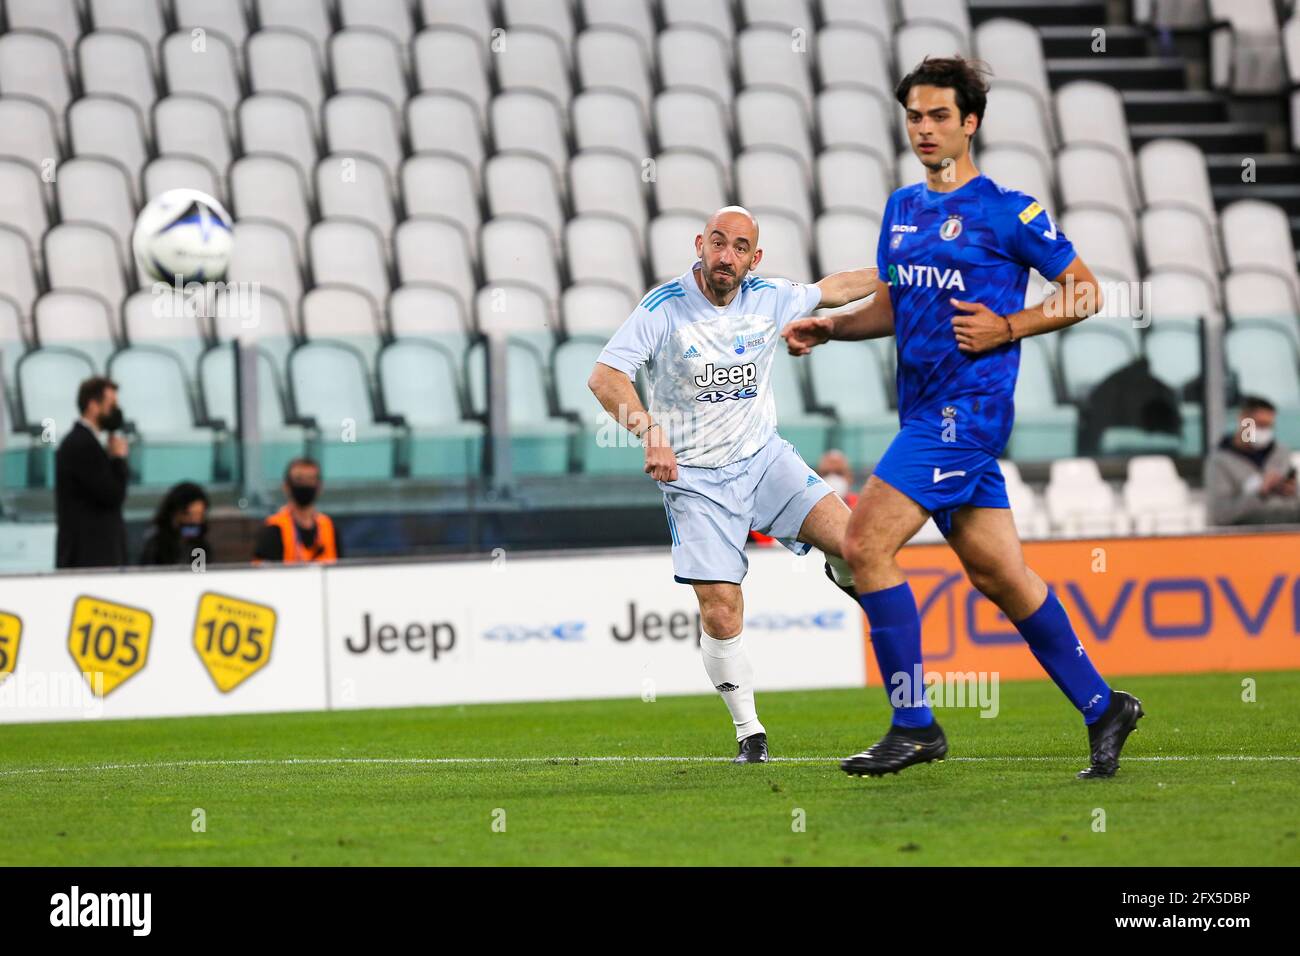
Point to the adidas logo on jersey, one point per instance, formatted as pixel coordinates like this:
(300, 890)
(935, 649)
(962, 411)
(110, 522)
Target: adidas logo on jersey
(930, 277)
(692, 353)
(812, 480)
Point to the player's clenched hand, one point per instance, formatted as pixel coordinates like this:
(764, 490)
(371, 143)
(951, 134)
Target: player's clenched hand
(660, 462)
(803, 335)
(978, 328)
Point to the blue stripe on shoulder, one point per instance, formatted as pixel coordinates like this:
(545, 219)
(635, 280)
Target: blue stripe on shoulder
(658, 290)
(678, 294)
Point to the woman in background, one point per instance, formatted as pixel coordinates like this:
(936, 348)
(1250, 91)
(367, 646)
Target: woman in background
(179, 526)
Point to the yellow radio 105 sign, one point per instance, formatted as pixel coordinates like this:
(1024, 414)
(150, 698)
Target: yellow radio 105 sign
(110, 640)
(233, 638)
(11, 632)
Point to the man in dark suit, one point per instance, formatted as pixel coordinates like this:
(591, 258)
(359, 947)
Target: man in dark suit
(90, 483)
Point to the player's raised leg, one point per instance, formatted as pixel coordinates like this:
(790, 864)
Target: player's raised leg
(726, 661)
(824, 529)
(986, 541)
(884, 520)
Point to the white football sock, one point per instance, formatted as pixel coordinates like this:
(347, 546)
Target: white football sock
(727, 664)
(840, 568)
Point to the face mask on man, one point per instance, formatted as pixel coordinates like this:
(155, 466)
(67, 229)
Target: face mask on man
(111, 421)
(1263, 437)
(839, 484)
(303, 494)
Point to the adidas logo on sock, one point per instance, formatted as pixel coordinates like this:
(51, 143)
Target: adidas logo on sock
(728, 687)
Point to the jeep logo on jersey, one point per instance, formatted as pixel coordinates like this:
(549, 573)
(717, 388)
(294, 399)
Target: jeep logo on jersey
(951, 228)
(743, 377)
(931, 277)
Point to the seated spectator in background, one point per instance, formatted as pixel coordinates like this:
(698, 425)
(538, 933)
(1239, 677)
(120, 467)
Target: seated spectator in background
(180, 525)
(298, 532)
(90, 483)
(835, 471)
(1250, 478)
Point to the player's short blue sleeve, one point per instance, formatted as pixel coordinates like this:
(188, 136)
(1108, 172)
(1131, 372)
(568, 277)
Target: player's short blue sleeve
(1033, 237)
(637, 341)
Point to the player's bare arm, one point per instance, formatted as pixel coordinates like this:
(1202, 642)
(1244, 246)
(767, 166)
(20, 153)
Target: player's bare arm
(871, 320)
(617, 395)
(1077, 295)
(841, 288)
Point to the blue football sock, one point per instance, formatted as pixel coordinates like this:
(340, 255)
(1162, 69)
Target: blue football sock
(896, 639)
(1049, 635)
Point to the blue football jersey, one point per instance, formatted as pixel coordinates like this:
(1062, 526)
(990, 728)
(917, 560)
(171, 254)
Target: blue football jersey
(976, 244)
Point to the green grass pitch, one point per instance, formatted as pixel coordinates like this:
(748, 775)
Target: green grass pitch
(376, 787)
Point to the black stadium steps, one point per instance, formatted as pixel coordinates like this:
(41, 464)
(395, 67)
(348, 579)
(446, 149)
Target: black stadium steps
(1245, 138)
(1081, 41)
(1174, 106)
(1274, 169)
(1056, 13)
(1121, 72)
(1288, 197)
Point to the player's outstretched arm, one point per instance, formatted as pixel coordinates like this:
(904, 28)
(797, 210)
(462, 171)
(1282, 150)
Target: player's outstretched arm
(871, 320)
(1077, 296)
(841, 288)
(617, 395)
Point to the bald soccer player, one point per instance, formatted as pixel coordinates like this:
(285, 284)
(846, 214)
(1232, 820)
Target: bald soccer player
(707, 339)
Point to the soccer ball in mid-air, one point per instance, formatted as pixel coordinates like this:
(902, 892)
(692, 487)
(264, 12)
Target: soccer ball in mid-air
(186, 233)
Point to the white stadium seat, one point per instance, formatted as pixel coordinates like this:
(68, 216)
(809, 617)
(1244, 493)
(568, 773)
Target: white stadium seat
(1080, 504)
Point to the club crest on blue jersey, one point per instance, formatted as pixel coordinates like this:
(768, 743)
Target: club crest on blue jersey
(740, 345)
(950, 229)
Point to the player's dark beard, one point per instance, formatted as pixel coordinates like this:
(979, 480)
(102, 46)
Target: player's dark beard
(718, 291)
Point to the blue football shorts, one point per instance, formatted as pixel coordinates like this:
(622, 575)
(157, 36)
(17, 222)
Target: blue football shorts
(941, 476)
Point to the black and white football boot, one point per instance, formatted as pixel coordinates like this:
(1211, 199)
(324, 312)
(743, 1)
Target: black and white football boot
(900, 748)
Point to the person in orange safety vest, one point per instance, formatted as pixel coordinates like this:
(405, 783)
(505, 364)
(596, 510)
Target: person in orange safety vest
(298, 531)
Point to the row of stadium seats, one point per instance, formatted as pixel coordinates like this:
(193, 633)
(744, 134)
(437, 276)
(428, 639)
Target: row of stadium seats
(609, 233)
(841, 396)
(378, 155)
(1077, 502)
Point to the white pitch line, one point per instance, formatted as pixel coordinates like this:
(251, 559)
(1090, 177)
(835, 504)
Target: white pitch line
(443, 761)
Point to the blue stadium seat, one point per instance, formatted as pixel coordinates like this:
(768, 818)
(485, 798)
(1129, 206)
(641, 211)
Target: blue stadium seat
(604, 446)
(808, 431)
(539, 443)
(47, 402)
(849, 381)
(1045, 428)
(168, 446)
(329, 384)
(418, 380)
(1263, 357)
(282, 440)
